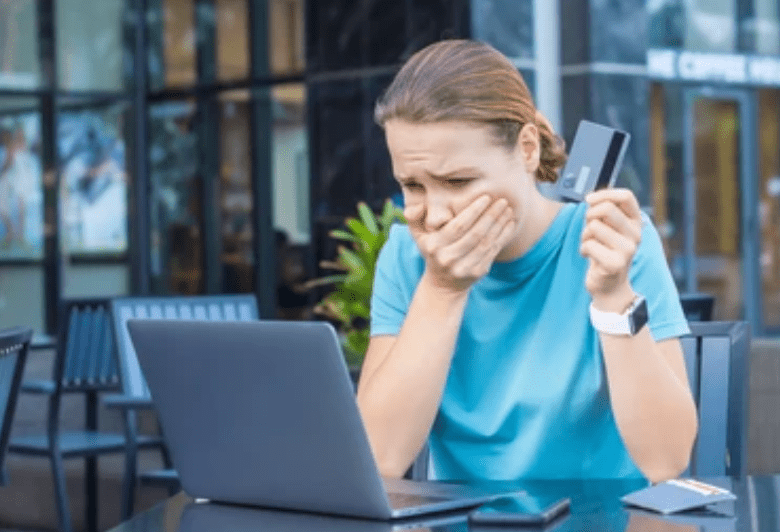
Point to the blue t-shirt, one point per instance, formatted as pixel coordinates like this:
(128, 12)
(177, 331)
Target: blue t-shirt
(526, 396)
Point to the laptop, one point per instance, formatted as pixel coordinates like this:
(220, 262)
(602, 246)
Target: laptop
(209, 517)
(263, 413)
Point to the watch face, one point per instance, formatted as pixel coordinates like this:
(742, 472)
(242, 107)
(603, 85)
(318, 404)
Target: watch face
(639, 317)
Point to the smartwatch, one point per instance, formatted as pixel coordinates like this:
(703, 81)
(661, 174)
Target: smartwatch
(628, 323)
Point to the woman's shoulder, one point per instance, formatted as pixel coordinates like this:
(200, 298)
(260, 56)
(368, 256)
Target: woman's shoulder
(400, 241)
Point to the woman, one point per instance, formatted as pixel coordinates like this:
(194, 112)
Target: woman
(481, 339)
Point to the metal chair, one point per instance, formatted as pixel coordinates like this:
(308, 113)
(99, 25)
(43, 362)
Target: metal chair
(14, 345)
(85, 362)
(697, 306)
(717, 361)
(135, 391)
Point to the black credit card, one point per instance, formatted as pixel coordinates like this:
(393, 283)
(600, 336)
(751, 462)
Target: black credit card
(595, 159)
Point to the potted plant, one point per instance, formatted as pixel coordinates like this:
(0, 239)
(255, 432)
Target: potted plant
(348, 304)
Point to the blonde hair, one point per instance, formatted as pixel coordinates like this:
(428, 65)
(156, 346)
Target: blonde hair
(470, 81)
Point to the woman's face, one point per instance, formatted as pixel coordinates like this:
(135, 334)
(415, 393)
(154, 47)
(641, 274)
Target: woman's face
(444, 166)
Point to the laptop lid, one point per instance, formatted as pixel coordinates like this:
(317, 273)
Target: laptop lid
(260, 413)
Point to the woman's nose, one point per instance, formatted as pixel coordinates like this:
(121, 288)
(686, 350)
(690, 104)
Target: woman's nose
(437, 213)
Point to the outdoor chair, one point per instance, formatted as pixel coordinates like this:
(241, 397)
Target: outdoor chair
(717, 363)
(85, 362)
(14, 345)
(697, 306)
(136, 394)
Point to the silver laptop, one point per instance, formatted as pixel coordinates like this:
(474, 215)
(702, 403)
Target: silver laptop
(263, 413)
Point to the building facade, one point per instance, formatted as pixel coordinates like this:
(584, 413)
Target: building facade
(162, 146)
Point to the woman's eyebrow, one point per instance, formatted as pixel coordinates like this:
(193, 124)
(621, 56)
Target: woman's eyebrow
(469, 171)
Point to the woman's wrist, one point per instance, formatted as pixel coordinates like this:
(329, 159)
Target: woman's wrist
(617, 300)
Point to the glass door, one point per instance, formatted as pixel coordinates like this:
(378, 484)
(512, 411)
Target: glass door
(720, 167)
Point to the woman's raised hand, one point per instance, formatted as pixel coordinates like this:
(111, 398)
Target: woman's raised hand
(613, 230)
(462, 250)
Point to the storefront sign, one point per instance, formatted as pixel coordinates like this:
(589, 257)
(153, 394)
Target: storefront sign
(725, 68)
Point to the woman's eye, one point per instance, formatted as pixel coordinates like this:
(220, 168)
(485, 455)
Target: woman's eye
(458, 182)
(412, 186)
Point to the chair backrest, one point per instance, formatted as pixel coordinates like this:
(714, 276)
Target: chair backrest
(717, 362)
(241, 307)
(86, 357)
(697, 306)
(14, 344)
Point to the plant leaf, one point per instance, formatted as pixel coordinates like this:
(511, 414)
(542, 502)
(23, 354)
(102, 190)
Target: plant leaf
(340, 234)
(368, 217)
(364, 236)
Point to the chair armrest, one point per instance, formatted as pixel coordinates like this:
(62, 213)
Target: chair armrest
(128, 402)
(39, 386)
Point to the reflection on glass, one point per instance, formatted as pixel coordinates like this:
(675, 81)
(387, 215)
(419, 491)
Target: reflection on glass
(236, 193)
(291, 198)
(21, 194)
(93, 180)
(290, 161)
(89, 44)
(19, 63)
(175, 204)
(711, 25)
(178, 42)
(760, 31)
(769, 204)
(286, 36)
(666, 24)
(232, 39)
(505, 24)
(718, 213)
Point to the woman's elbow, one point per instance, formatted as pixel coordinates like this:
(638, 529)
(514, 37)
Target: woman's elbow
(676, 462)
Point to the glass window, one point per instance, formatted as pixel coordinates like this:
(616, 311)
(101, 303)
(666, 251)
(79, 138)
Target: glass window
(286, 36)
(236, 193)
(21, 192)
(232, 39)
(171, 33)
(506, 24)
(19, 55)
(769, 203)
(291, 161)
(760, 29)
(175, 199)
(93, 178)
(90, 44)
(700, 25)
(618, 31)
(666, 24)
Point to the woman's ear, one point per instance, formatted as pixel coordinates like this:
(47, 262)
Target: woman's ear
(530, 147)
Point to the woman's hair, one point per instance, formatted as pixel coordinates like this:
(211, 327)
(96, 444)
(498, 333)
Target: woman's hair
(470, 81)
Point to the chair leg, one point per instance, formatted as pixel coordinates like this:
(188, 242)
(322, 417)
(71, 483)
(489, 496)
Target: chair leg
(91, 492)
(90, 467)
(129, 482)
(131, 464)
(61, 493)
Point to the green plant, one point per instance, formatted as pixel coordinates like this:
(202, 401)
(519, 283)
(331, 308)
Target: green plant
(349, 302)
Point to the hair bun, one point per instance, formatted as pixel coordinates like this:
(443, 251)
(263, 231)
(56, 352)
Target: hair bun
(552, 153)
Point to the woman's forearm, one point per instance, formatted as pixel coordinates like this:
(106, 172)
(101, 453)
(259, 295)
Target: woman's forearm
(402, 380)
(651, 401)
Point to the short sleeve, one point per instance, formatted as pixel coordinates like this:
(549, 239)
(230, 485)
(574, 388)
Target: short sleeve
(650, 277)
(388, 302)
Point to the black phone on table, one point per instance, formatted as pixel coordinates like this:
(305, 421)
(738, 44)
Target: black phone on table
(520, 509)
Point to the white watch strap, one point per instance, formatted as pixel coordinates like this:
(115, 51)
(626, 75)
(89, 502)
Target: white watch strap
(610, 322)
